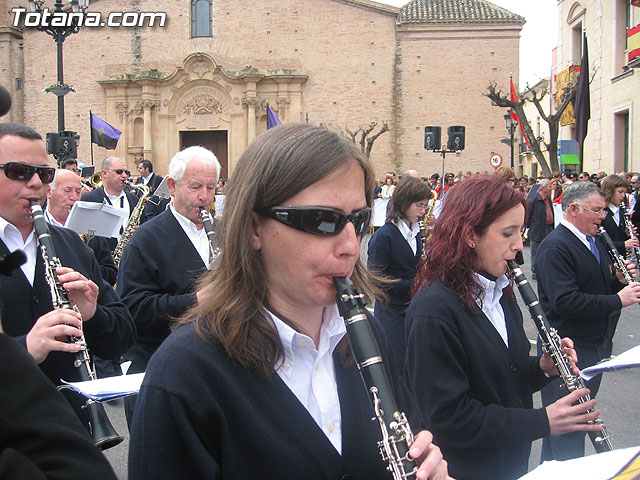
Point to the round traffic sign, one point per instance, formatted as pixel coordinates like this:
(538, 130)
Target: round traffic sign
(496, 160)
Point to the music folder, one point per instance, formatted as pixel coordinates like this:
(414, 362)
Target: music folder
(96, 219)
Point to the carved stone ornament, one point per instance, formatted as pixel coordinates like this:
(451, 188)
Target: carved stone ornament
(200, 68)
(201, 108)
(121, 109)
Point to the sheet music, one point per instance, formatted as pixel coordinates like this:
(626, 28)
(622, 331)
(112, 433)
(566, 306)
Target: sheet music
(628, 359)
(163, 189)
(98, 219)
(601, 466)
(109, 388)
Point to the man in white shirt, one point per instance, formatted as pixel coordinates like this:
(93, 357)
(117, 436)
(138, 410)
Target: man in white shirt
(29, 315)
(167, 254)
(114, 174)
(581, 295)
(150, 179)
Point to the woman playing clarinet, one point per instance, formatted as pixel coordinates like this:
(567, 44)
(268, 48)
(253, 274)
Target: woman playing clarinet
(258, 380)
(468, 361)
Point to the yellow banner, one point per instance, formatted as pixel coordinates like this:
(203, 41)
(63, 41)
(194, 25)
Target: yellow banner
(563, 80)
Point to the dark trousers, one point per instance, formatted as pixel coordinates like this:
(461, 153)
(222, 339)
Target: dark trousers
(571, 445)
(535, 244)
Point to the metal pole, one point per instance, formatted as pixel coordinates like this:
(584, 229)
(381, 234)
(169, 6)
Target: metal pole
(59, 42)
(512, 130)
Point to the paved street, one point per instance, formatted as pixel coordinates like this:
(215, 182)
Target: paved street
(619, 397)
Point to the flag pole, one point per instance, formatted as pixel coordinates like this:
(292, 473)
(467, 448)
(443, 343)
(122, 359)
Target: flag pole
(90, 135)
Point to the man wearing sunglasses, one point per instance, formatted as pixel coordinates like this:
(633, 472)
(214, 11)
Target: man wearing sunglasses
(112, 191)
(163, 260)
(28, 314)
(581, 294)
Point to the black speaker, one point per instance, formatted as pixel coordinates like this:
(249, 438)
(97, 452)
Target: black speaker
(432, 138)
(53, 143)
(68, 145)
(456, 138)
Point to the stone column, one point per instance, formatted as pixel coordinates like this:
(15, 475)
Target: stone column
(251, 102)
(147, 148)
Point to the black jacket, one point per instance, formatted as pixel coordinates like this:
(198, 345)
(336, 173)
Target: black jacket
(40, 437)
(158, 271)
(108, 334)
(474, 393)
(226, 423)
(578, 295)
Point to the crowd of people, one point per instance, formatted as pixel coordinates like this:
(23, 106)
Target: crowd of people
(249, 368)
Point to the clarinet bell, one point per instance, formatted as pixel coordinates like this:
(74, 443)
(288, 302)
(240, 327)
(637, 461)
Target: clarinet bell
(103, 434)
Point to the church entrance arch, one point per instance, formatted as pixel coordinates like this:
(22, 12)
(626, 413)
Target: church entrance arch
(214, 140)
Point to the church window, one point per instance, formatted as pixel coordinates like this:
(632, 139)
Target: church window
(201, 15)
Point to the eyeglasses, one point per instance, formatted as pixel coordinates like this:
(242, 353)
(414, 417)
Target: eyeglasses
(23, 172)
(600, 212)
(120, 170)
(318, 220)
(420, 205)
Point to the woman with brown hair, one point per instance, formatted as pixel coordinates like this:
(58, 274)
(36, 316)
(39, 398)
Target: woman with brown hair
(258, 379)
(468, 362)
(394, 252)
(615, 190)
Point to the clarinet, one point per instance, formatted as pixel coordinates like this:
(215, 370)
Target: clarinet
(423, 234)
(629, 226)
(103, 433)
(207, 221)
(397, 436)
(616, 258)
(553, 345)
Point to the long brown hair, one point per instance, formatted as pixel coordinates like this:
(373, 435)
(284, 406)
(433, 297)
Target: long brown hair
(469, 207)
(277, 165)
(408, 191)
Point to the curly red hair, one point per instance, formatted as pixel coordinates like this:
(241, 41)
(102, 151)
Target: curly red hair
(471, 206)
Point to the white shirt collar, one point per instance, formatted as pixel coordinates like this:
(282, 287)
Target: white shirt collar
(331, 332)
(489, 302)
(51, 219)
(12, 238)
(198, 238)
(573, 229)
(409, 233)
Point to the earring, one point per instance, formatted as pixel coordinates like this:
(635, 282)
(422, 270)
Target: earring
(473, 245)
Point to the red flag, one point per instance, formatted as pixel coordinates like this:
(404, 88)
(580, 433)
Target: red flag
(514, 117)
(635, 3)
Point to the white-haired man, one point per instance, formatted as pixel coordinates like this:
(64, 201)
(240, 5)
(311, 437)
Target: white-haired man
(66, 189)
(164, 258)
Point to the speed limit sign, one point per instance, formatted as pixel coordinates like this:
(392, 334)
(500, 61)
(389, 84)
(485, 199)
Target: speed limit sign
(496, 160)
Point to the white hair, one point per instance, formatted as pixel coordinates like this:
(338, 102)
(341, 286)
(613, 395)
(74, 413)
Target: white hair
(180, 160)
(60, 171)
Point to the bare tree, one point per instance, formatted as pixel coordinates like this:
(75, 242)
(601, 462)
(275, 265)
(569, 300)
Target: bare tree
(553, 120)
(367, 138)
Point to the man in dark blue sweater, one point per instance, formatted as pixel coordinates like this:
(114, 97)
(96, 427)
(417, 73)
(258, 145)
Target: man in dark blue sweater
(581, 294)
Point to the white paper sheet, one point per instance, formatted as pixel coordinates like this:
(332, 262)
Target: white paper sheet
(98, 219)
(109, 388)
(628, 359)
(601, 466)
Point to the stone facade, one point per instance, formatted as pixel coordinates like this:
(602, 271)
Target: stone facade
(339, 63)
(611, 144)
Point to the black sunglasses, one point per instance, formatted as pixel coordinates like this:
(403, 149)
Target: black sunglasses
(24, 172)
(120, 170)
(319, 220)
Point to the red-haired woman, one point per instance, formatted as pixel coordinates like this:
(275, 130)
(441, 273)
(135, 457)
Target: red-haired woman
(468, 361)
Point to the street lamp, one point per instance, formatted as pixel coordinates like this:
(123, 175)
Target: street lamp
(511, 127)
(59, 34)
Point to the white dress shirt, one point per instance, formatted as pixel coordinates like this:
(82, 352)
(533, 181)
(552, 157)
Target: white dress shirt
(615, 213)
(198, 238)
(309, 371)
(489, 302)
(12, 238)
(409, 234)
(120, 201)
